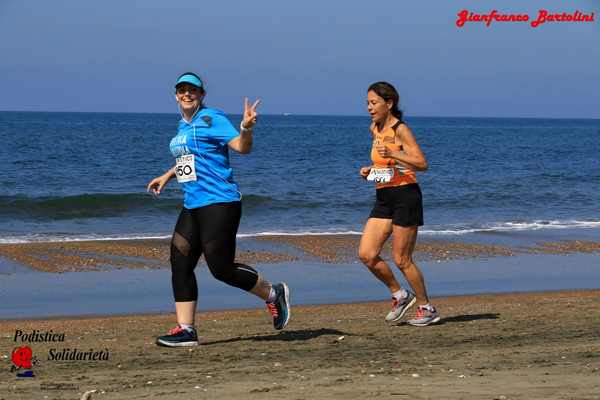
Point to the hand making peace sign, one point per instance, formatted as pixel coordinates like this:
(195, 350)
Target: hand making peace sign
(250, 114)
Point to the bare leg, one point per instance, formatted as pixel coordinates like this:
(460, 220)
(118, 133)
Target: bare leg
(403, 246)
(262, 288)
(186, 312)
(376, 232)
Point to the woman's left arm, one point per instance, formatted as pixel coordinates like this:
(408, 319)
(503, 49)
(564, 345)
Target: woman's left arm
(243, 143)
(412, 156)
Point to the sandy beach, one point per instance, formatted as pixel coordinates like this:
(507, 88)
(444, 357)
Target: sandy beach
(513, 346)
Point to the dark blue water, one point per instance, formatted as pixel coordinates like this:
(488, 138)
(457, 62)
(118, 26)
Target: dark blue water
(83, 175)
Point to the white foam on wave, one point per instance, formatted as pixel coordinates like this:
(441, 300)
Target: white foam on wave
(82, 238)
(87, 238)
(442, 230)
(307, 233)
(513, 226)
(456, 229)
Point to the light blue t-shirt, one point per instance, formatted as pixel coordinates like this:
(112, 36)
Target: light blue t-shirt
(206, 137)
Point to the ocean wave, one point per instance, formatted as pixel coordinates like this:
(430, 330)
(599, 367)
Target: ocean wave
(45, 238)
(99, 205)
(299, 233)
(510, 226)
(455, 229)
(89, 205)
(53, 238)
(445, 230)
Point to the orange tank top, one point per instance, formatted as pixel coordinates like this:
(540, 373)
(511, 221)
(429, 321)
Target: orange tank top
(401, 175)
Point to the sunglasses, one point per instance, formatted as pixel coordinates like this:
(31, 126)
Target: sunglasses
(184, 90)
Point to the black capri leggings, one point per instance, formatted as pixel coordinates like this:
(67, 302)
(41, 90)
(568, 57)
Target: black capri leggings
(209, 230)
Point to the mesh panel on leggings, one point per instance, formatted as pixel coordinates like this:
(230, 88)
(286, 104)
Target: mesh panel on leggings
(181, 244)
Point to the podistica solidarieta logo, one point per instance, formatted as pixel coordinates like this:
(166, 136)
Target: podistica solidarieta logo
(23, 360)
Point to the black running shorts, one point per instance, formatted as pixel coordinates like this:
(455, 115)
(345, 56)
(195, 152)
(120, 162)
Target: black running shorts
(402, 204)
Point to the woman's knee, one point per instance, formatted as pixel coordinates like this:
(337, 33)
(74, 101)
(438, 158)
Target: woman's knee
(180, 262)
(222, 273)
(368, 257)
(238, 275)
(403, 261)
(182, 277)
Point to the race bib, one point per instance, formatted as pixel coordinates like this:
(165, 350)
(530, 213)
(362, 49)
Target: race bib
(381, 175)
(185, 169)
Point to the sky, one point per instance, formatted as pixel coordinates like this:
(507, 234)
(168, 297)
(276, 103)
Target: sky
(308, 57)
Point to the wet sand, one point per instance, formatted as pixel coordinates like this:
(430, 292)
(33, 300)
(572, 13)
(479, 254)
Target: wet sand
(514, 346)
(102, 254)
(151, 253)
(343, 248)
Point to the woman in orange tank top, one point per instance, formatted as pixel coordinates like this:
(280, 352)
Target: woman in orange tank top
(398, 209)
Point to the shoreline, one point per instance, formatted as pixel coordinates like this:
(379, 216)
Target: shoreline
(132, 277)
(310, 265)
(98, 255)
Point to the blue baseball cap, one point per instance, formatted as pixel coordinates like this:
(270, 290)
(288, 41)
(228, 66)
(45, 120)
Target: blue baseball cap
(190, 78)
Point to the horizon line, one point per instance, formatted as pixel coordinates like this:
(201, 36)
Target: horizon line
(287, 114)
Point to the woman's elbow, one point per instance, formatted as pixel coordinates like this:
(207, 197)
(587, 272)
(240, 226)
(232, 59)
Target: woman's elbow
(245, 149)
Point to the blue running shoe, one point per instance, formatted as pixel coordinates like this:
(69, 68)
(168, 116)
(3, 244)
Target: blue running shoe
(280, 308)
(178, 337)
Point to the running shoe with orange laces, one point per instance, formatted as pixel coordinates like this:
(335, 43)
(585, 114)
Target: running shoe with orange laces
(426, 315)
(399, 307)
(280, 308)
(178, 337)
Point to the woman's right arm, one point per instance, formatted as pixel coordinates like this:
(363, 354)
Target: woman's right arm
(156, 184)
(365, 171)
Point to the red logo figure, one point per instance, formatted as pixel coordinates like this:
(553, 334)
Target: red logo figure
(22, 358)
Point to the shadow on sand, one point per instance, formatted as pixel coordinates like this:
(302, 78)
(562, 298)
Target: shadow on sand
(462, 318)
(468, 318)
(307, 334)
(286, 336)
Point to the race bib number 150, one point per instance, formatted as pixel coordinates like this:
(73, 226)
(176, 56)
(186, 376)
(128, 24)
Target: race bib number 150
(185, 170)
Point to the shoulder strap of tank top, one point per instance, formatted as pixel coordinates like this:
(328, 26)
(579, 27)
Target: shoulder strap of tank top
(396, 125)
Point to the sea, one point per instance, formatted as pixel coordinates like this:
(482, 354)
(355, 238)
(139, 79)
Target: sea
(81, 176)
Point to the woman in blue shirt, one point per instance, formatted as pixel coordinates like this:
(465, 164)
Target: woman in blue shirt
(211, 212)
